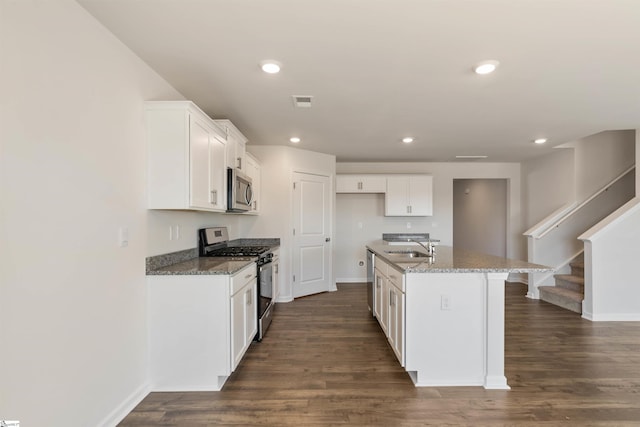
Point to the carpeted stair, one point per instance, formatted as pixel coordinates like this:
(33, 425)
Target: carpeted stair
(569, 289)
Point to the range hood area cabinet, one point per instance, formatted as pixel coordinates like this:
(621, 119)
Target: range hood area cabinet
(254, 170)
(186, 155)
(404, 195)
(236, 145)
(361, 184)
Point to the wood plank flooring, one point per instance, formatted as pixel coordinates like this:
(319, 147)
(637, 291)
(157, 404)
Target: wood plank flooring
(325, 362)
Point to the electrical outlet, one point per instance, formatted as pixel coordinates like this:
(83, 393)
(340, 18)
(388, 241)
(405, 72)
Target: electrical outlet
(123, 237)
(445, 302)
(408, 225)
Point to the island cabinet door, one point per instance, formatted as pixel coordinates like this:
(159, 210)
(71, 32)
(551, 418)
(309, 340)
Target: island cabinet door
(396, 323)
(382, 302)
(377, 296)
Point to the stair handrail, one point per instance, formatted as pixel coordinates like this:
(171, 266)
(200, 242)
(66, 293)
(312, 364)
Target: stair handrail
(568, 210)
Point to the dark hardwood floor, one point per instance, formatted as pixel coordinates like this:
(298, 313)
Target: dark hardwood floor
(325, 362)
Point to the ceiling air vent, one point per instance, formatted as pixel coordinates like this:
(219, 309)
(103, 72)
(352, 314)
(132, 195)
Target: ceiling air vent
(302, 101)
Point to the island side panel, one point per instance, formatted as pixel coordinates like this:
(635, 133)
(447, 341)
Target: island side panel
(495, 378)
(446, 328)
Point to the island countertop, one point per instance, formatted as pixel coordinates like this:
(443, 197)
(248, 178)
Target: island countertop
(452, 260)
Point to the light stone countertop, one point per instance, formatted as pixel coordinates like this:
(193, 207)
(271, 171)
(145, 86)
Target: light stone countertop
(450, 260)
(204, 266)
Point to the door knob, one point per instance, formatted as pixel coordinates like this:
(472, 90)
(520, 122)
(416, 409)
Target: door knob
(328, 239)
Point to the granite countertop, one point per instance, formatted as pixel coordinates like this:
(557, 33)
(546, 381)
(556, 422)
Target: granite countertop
(450, 260)
(187, 262)
(204, 266)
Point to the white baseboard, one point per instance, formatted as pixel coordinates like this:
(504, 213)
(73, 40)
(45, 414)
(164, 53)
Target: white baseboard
(352, 280)
(612, 317)
(122, 410)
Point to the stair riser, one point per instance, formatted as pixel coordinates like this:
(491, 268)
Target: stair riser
(561, 283)
(560, 301)
(577, 271)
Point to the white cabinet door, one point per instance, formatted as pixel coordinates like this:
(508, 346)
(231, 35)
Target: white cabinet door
(217, 172)
(244, 313)
(377, 307)
(185, 158)
(238, 302)
(396, 322)
(251, 313)
(276, 275)
(199, 159)
(207, 166)
(254, 171)
(361, 183)
(409, 196)
(236, 145)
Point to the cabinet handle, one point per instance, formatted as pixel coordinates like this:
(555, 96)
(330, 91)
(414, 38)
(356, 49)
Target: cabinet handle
(249, 297)
(239, 162)
(390, 297)
(248, 275)
(359, 186)
(214, 197)
(276, 268)
(377, 282)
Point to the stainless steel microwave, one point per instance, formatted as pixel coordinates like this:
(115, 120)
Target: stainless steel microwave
(239, 191)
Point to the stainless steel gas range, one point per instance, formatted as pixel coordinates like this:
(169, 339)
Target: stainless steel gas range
(214, 242)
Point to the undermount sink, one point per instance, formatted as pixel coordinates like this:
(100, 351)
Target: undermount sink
(407, 254)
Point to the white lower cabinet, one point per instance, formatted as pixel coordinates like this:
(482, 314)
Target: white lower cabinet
(244, 312)
(275, 279)
(389, 306)
(200, 327)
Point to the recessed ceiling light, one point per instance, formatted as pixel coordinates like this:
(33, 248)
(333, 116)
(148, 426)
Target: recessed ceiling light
(294, 139)
(540, 140)
(407, 140)
(270, 66)
(486, 67)
(471, 157)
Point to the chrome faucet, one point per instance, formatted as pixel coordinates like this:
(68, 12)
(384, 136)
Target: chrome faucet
(430, 248)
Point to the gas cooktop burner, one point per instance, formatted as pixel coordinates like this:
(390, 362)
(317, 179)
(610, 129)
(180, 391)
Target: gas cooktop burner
(239, 251)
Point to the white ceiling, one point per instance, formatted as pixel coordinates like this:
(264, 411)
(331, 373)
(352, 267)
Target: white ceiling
(382, 69)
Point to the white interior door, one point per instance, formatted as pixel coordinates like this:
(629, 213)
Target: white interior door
(312, 234)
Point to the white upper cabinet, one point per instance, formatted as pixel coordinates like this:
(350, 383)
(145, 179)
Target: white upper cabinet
(409, 195)
(185, 158)
(361, 184)
(236, 145)
(253, 170)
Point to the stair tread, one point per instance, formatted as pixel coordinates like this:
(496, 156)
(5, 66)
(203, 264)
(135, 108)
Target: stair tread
(570, 278)
(567, 293)
(577, 264)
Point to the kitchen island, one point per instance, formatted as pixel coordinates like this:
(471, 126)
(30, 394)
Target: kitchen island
(444, 314)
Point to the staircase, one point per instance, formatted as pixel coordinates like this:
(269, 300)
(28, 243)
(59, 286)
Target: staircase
(568, 292)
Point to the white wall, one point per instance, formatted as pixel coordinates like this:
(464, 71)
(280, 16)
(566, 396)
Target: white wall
(480, 215)
(548, 183)
(355, 209)
(611, 254)
(72, 322)
(278, 164)
(574, 172)
(600, 158)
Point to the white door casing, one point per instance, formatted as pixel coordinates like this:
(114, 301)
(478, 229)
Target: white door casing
(311, 234)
